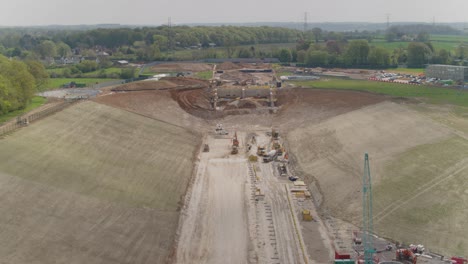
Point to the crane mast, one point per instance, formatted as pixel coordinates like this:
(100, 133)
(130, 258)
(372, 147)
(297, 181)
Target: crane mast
(367, 225)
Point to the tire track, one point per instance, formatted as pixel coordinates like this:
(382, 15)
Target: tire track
(460, 166)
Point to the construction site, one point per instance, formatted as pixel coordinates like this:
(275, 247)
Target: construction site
(240, 168)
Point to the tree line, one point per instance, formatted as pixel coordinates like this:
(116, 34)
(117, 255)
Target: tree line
(19, 81)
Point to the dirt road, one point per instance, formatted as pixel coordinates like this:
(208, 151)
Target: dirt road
(225, 222)
(215, 229)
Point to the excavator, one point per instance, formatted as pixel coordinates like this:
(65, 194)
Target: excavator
(406, 256)
(235, 144)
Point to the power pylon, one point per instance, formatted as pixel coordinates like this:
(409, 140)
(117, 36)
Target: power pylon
(367, 225)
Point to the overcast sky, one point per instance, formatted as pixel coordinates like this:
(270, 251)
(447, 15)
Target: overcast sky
(156, 12)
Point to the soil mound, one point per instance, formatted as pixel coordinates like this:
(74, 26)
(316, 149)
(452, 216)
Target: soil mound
(145, 85)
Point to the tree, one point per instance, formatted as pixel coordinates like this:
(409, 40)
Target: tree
(39, 73)
(46, 49)
(63, 50)
(245, 53)
(18, 85)
(417, 54)
(317, 32)
(161, 41)
(316, 58)
(390, 36)
(301, 56)
(379, 57)
(357, 53)
(285, 55)
(87, 66)
(333, 47)
(128, 73)
(423, 37)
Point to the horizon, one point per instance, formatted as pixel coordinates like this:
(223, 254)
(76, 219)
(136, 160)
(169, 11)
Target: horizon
(148, 12)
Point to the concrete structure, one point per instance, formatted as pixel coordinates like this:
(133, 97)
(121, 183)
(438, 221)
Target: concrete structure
(447, 72)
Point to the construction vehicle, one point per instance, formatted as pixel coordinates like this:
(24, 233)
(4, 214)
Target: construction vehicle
(406, 256)
(206, 148)
(261, 151)
(459, 260)
(220, 130)
(234, 150)
(270, 156)
(282, 170)
(235, 144)
(274, 134)
(235, 141)
(293, 178)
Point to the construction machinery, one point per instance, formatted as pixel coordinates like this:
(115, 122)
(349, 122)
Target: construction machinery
(220, 130)
(270, 156)
(274, 134)
(206, 148)
(235, 144)
(282, 170)
(367, 225)
(406, 256)
(261, 151)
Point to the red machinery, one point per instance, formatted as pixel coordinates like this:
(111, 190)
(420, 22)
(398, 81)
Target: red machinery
(406, 255)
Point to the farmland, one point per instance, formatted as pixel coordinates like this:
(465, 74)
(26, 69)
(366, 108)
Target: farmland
(434, 95)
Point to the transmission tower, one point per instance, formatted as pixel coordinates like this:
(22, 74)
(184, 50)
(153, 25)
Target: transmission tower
(367, 226)
(388, 20)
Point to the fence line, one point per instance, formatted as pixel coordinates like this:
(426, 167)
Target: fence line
(23, 121)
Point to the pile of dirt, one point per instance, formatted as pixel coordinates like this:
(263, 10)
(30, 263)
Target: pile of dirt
(145, 85)
(195, 102)
(155, 104)
(236, 76)
(179, 67)
(187, 82)
(226, 66)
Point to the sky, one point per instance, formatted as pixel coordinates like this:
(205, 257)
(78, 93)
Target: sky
(157, 12)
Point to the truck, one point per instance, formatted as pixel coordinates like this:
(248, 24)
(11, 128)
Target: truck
(270, 156)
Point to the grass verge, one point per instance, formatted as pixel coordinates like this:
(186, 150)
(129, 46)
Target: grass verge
(205, 75)
(435, 95)
(58, 82)
(35, 103)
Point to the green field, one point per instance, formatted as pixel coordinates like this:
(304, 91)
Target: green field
(58, 82)
(413, 71)
(448, 42)
(436, 95)
(108, 71)
(35, 103)
(205, 75)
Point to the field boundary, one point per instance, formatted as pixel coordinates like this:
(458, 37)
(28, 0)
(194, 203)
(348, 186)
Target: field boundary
(22, 121)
